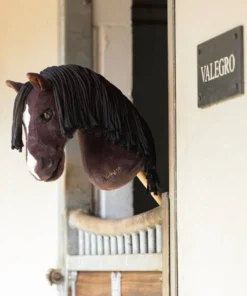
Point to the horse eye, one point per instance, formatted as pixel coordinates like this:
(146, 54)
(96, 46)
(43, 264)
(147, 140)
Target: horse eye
(47, 115)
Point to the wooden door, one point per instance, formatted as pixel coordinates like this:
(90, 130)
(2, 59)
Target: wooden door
(132, 284)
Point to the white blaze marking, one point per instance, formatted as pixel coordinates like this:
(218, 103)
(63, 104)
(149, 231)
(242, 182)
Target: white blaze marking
(31, 161)
(26, 118)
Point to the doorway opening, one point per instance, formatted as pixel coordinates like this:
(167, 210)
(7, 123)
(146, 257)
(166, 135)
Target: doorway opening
(150, 86)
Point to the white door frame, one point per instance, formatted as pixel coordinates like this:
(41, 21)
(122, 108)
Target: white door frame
(171, 17)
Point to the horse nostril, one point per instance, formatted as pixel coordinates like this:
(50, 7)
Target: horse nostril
(47, 162)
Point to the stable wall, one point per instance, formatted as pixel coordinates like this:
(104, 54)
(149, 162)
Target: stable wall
(28, 209)
(211, 162)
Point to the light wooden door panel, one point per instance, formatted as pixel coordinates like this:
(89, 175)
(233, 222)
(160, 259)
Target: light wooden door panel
(132, 284)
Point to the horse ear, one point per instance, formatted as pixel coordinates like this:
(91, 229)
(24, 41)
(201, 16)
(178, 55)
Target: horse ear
(15, 85)
(39, 82)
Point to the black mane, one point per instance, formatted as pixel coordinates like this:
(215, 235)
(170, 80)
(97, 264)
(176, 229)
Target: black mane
(85, 100)
(19, 106)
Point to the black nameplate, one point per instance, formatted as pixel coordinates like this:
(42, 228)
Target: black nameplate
(220, 67)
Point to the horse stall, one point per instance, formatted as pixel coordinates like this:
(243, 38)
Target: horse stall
(120, 257)
(127, 256)
(116, 242)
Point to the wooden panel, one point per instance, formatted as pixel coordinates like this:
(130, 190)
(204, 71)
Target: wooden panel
(141, 283)
(93, 284)
(133, 284)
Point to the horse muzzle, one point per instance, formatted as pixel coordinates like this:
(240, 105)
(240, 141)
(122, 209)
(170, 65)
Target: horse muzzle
(47, 169)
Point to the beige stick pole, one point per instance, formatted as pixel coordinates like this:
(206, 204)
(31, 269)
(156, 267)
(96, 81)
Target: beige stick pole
(141, 176)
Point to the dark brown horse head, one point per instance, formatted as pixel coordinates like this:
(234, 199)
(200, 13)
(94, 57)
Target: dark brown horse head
(115, 141)
(44, 141)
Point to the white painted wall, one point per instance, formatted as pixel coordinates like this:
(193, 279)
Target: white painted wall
(28, 209)
(211, 162)
(113, 59)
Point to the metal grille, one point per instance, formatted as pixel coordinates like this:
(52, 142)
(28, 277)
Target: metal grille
(143, 242)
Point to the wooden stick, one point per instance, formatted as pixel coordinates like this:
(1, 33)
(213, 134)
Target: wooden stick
(141, 176)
